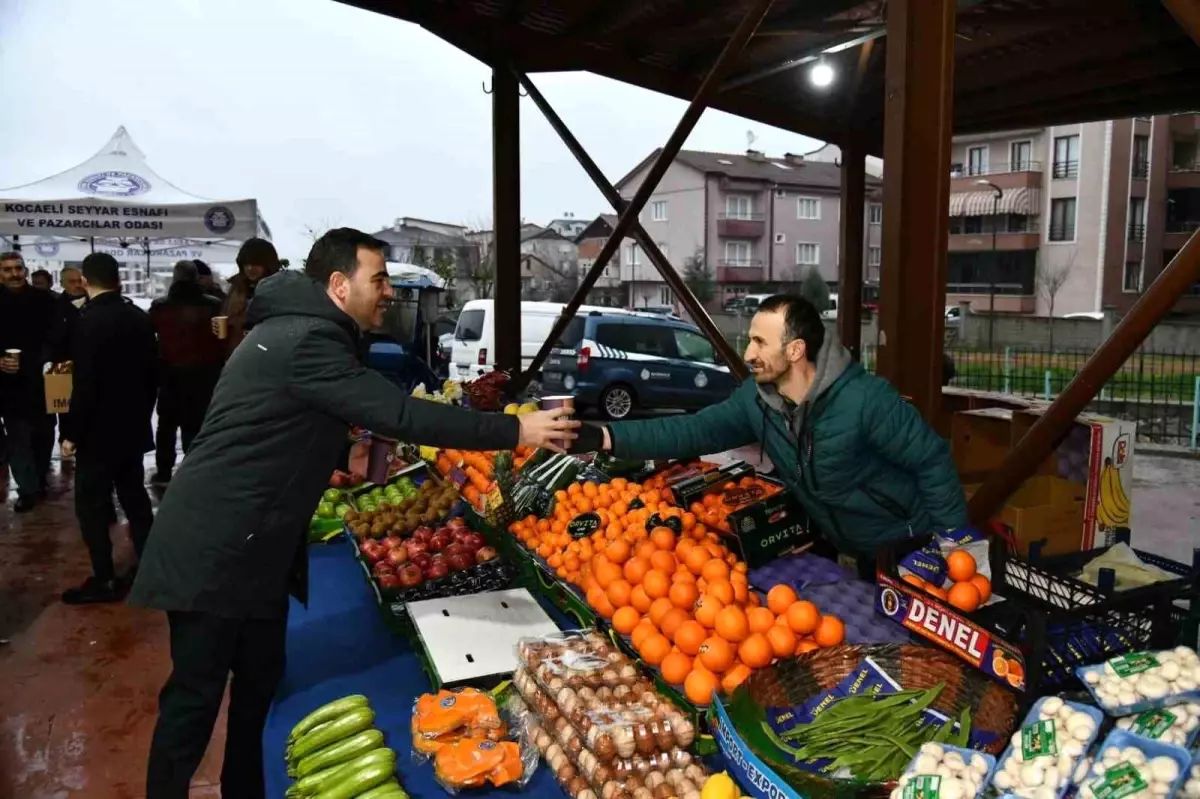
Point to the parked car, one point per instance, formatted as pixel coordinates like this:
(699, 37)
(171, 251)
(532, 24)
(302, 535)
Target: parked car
(831, 311)
(661, 310)
(617, 363)
(443, 335)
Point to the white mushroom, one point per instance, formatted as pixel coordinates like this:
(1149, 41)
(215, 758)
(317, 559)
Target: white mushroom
(1151, 686)
(1050, 706)
(1091, 677)
(951, 788)
(1163, 769)
(1032, 775)
(926, 764)
(1003, 781)
(933, 750)
(979, 765)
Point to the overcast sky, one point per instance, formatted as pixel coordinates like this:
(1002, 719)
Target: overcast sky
(325, 113)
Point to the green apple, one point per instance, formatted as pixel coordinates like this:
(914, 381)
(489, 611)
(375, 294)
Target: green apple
(331, 495)
(325, 510)
(341, 510)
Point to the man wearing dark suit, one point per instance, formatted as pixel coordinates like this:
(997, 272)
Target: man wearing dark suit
(108, 427)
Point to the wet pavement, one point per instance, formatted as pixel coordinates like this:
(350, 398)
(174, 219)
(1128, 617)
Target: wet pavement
(80, 684)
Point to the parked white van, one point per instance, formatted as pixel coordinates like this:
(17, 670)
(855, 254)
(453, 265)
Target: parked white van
(474, 348)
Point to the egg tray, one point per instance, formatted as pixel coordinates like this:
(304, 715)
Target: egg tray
(1034, 715)
(1151, 749)
(853, 601)
(1049, 623)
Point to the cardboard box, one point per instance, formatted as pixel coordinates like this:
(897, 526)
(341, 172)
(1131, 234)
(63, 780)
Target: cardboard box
(956, 399)
(1046, 510)
(1096, 455)
(58, 392)
(980, 441)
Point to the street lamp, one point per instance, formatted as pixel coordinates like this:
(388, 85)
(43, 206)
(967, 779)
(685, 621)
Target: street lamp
(997, 193)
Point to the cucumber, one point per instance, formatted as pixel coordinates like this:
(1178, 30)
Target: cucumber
(345, 726)
(359, 782)
(341, 752)
(389, 790)
(327, 712)
(327, 778)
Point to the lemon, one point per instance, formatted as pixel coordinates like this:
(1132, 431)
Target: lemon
(512, 409)
(528, 407)
(720, 786)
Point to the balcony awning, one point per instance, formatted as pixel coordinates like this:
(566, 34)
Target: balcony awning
(980, 203)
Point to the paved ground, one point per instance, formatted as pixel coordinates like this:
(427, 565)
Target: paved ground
(80, 684)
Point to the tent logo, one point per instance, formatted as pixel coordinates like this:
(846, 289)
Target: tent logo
(114, 184)
(219, 219)
(46, 246)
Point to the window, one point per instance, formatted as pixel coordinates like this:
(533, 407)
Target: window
(739, 206)
(1062, 219)
(808, 208)
(658, 210)
(665, 297)
(956, 170)
(646, 339)
(780, 238)
(1137, 218)
(1183, 155)
(470, 325)
(780, 193)
(1141, 157)
(874, 256)
(956, 225)
(1066, 157)
(694, 347)
(808, 254)
(662, 246)
(1020, 156)
(972, 224)
(1132, 282)
(634, 255)
(875, 213)
(977, 160)
(737, 253)
(1020, 223)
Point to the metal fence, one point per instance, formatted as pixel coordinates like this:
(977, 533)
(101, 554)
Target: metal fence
(1160, 391)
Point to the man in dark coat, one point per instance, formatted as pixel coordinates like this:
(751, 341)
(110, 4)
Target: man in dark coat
(108, 426)
(191, 360)
(231, 529)
(28, 324)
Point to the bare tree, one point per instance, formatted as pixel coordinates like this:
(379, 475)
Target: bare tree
(1050, 279)
(322, 226)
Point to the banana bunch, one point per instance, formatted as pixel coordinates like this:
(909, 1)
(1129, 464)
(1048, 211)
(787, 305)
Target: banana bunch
(448, 395)
(1113, 508)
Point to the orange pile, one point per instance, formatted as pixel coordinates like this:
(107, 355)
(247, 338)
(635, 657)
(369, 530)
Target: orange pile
(478, 467)
(968, 589)
(714, 506)
(684, 599)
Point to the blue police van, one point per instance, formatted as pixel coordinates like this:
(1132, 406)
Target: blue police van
(619, 362)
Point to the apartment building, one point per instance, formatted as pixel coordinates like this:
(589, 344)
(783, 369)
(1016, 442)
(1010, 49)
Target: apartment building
(758, 222)
(1090, 213)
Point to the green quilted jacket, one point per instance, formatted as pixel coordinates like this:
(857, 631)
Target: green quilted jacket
(861, 460)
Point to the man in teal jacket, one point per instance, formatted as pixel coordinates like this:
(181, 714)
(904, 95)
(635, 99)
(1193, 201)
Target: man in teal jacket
(861, 460)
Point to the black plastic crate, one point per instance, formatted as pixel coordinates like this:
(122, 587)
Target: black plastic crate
(1048, 624)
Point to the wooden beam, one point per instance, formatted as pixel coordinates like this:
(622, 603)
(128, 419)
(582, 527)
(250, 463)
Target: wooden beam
(506, 217)
(850, 266)
(1187, 14)
(916, 190)
(1053, 423)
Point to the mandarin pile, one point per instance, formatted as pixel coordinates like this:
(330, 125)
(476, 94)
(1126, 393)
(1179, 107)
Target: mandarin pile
(715, 506)
(968, 589)
(684, 599)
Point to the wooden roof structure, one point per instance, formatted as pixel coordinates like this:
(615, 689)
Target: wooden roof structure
(1018, 63)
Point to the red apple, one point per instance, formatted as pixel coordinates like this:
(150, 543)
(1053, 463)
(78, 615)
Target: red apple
(415, 547)
(393, 541)
(423, 533)
(440, 542)
(389, 580)
(365, 548)
(383, 567)
(457, 523)
(437, 569)
(356, 479)
(420, 560)
(410, 575)
(459, 561)
(397, 556)
(473, 541)
(484, 554)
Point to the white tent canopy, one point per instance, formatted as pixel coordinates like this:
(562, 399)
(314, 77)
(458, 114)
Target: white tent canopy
(115, 195)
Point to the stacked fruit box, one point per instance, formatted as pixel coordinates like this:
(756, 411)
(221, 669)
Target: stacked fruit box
(599, 723)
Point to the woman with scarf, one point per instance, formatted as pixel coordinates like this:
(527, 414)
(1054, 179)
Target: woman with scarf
(256, 259)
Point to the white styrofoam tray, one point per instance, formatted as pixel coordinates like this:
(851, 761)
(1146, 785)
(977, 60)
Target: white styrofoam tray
(475, 636)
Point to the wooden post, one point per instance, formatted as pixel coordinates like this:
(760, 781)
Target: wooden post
(916, 188)
(506, 217)
(850, 269)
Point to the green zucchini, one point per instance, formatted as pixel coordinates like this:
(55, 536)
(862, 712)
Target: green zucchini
(327, 778)
(389, 790)
(359, 782)
(343, 727)
(327, 712)
(341, 752)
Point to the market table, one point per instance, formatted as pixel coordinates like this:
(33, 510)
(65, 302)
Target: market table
(339, 645)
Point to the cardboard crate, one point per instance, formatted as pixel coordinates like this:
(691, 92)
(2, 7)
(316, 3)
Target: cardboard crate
(1096, 455)
(980, 441)
(1046, 510)
(956, 399)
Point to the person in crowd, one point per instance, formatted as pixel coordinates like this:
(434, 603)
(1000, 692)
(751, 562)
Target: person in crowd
(71, 280)
(861, 460)
(28, 334)
(42, 279)
(108, 427)
(207, 282)
(229, 540)
(191, 360)
(256, 259)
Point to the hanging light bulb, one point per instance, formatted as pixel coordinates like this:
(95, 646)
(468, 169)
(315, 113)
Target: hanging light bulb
(821, 74)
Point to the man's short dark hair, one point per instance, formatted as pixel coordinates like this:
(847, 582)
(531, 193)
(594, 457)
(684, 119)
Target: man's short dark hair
(258, 252)
(800, 321)
(12, 256)
(102, 271)
(185, 272)
(337, 251)
(43, 273)
(202, 269)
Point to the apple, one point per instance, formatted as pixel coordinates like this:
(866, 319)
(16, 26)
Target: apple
(331, 495)
(356, 479)
(459, 561)
(397, 556)
(383, 567)
(393, 541)
(439, 542)
(457, 523)
(437, 569)
(421, 560)
(473, 541)
(376, 553)
(484, 554)
(389, 580)
(415, 547)
(337, 480)
(410, 575)
(325, 510)
(423, 533)
(365, 548)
